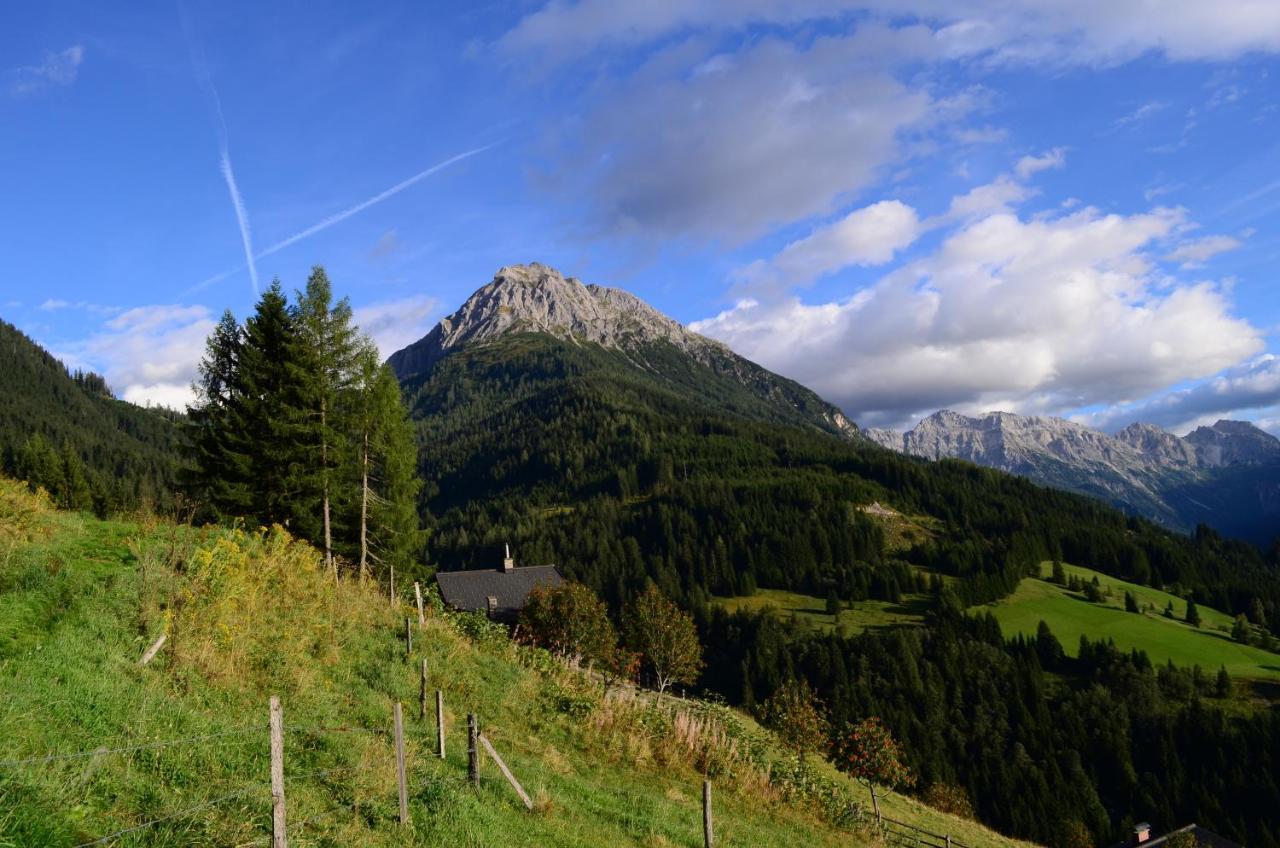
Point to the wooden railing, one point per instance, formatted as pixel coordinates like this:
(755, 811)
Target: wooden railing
(909, 836)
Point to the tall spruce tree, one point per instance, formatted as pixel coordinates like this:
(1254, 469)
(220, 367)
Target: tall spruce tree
(329, 346)
(219, 479)
(386, 467)
(276, 396)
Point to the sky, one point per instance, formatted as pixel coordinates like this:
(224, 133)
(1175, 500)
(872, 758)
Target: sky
(1058, 207)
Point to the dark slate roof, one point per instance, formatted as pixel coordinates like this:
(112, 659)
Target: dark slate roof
(1204, 838)
(471, 590)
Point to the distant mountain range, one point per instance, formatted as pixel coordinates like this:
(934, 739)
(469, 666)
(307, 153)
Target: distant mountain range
(1226, 476)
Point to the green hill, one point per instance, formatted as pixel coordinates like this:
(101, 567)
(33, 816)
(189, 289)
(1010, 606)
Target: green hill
(85, 730)
(67, 433)
(1070, 616)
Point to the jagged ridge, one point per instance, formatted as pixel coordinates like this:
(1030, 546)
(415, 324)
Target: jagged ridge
(1142, 467)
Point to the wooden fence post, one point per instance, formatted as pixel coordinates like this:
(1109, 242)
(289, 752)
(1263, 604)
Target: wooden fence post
(506, 772)
(400, 778)
(422, 693)
(707, 834)
(279, 839)
(392, 593)
(408, 638)
(417, 593)
(473, 755)
(875, 803)
(154, 649)
(440, 723)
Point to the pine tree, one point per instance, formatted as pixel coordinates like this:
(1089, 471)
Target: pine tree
(275, 402)
(1240, 629)
(328, 341)
(1193, 614)
(220, 477)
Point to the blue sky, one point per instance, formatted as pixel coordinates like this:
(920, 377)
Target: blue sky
(1051, 207)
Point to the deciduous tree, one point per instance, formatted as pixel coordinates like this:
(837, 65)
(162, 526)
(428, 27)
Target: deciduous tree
(664, 635)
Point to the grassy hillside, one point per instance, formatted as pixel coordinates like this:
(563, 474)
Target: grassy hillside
(252, 614)
(1070, 616)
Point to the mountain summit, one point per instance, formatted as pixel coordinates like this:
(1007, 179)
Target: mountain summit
(1227, 475)
(537, 299)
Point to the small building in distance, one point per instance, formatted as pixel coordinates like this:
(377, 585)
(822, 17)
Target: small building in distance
(498, 592)
(1188, 836)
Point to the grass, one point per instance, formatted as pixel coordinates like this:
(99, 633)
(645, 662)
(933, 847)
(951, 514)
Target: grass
(1070, 616)
(811, 613)
(249, 615)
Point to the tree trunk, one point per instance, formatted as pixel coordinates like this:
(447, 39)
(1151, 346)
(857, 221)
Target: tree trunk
(875, 802)
(364, 507)
(324, 459)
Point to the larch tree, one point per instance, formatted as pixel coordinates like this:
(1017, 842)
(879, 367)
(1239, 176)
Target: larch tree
(385, 466)
(326, 330)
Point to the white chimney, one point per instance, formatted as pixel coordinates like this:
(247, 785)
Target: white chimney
(508, 564)
(1141, 833)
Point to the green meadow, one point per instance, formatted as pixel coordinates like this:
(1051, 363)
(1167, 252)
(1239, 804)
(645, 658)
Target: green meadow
(1070, 616)
(811, 613)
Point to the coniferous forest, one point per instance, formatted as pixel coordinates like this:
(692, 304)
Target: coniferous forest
(297, 422)
(66, 432)
(575, 457)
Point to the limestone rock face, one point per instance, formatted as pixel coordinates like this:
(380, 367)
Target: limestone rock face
(536, 298)
(1177, 481)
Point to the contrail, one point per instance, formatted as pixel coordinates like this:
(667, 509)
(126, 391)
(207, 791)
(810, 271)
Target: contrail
(338, 217)
(201, 68)
(373, 201)
(241, 217)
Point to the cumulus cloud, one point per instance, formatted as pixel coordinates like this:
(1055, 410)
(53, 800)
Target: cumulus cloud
(871, 235)
(57, 69)
(1049, 313)
(1249, 386)
(1192, 254)
(149, 353)
(398, 323)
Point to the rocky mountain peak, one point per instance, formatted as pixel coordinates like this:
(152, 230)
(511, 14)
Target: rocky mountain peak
(1234, 443)
(538, 298)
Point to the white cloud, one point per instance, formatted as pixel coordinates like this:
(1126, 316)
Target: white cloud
(1021, 31)
(1195, 253)
(867, 236)
(780, 133)
(1046, 314)
(1050, 160)
(1000, 194)
(1250, 386)
(398, 323)
(57, 69)
(148, 354)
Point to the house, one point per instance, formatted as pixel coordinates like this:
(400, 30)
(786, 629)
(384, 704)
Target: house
(1188, 835)
(498, 592)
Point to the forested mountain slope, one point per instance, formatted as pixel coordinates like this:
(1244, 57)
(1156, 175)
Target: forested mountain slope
(67, 433)
(575, 453)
